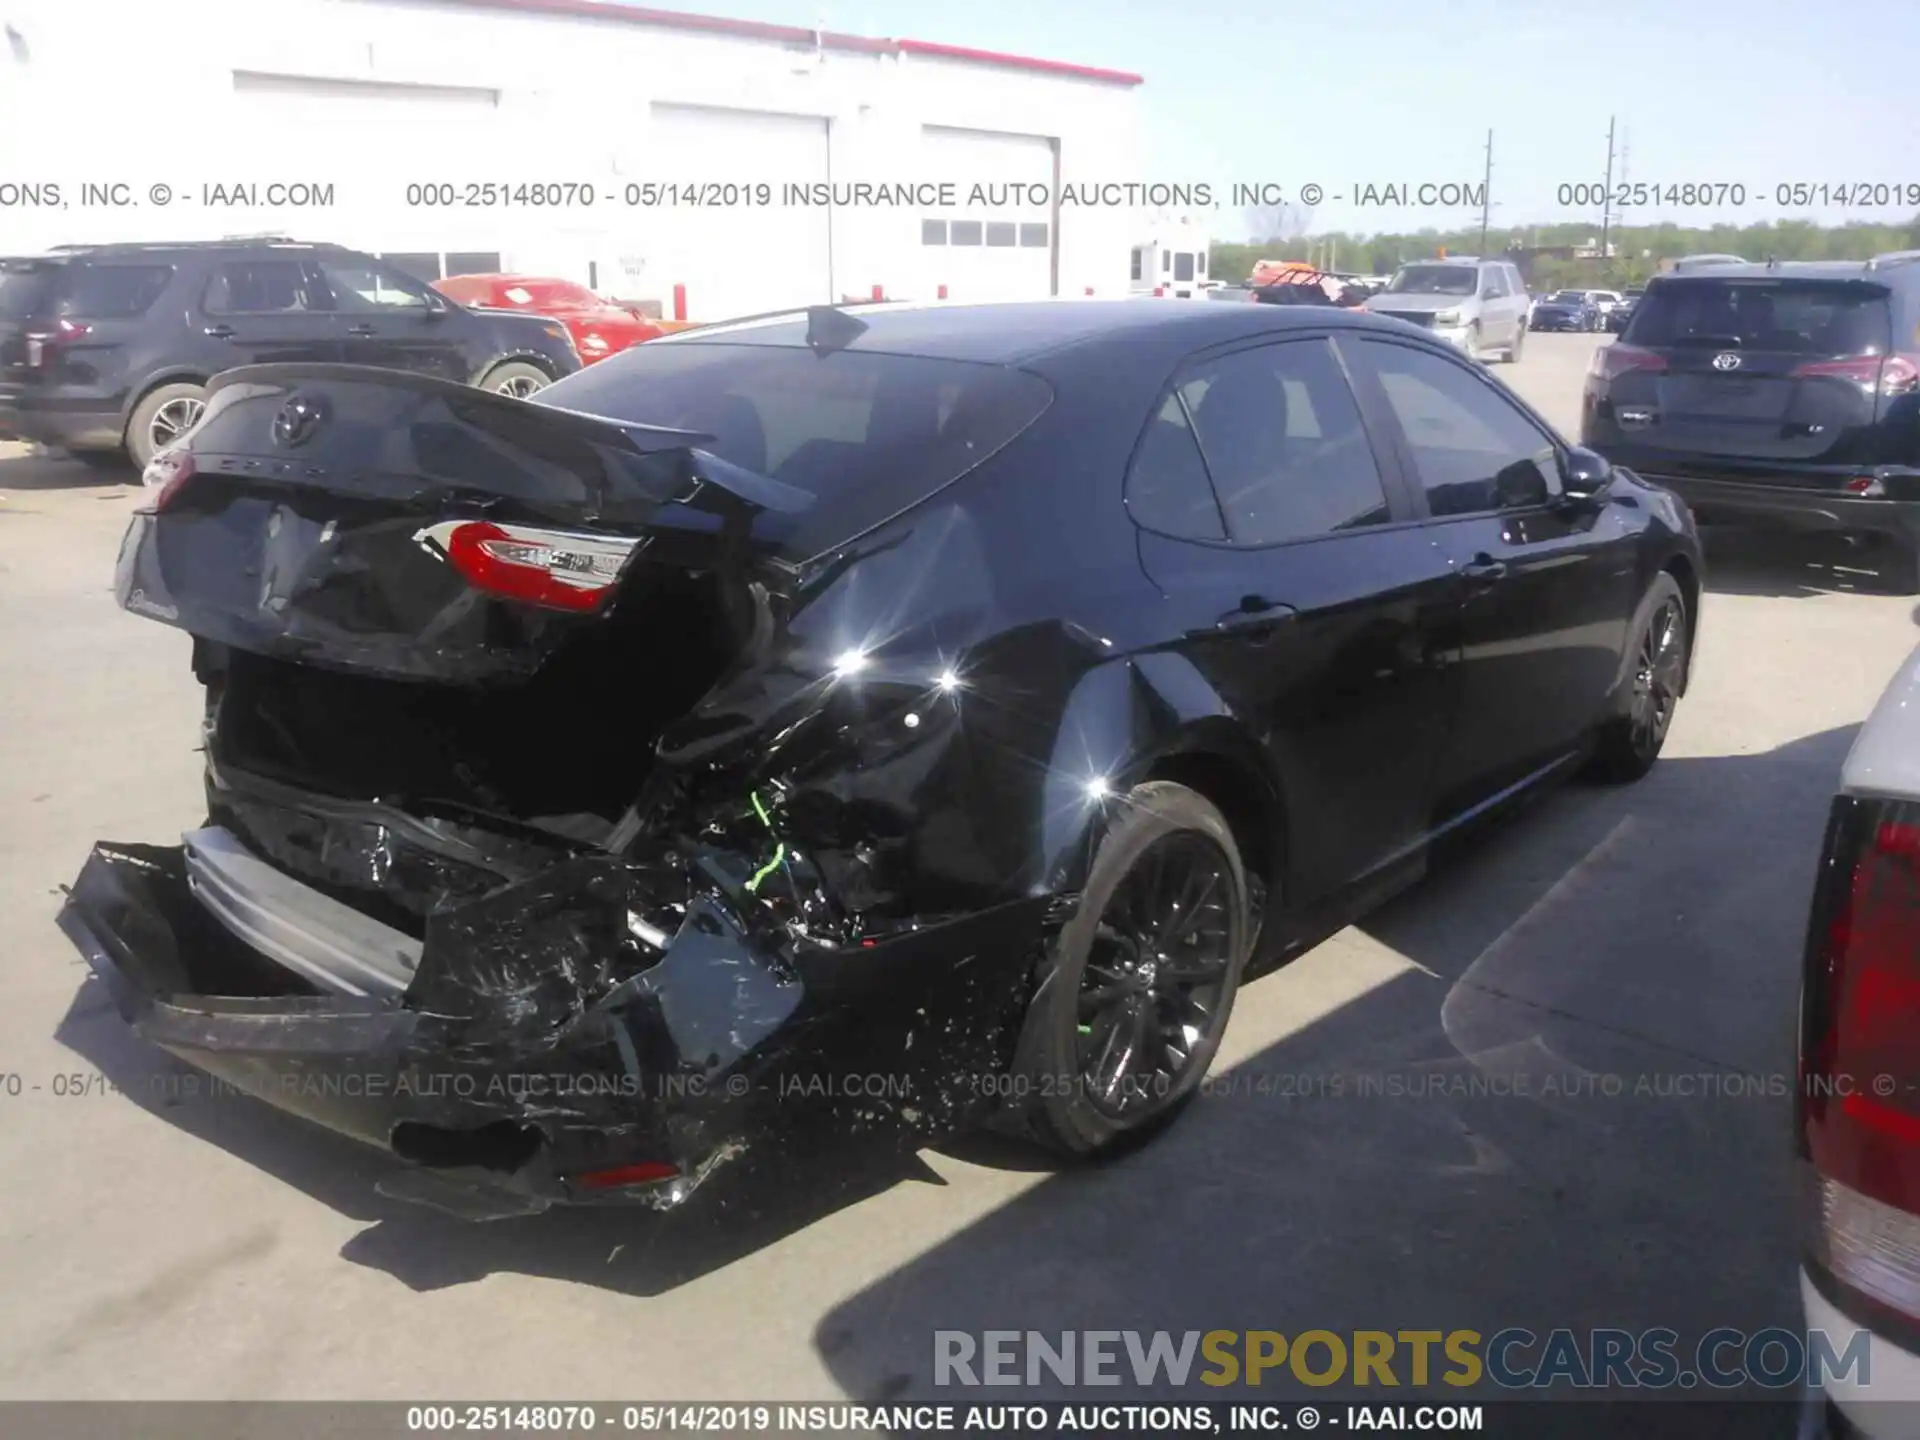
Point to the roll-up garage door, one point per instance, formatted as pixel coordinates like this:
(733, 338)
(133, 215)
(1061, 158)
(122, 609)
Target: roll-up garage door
(395, 156)
(737, 257)
(998, 243)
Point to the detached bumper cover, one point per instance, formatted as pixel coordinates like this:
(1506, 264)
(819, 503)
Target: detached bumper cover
(542, 1052)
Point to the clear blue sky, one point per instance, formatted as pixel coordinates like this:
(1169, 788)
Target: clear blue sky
(1749, 92)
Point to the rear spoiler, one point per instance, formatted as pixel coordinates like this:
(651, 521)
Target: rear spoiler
(762, 492)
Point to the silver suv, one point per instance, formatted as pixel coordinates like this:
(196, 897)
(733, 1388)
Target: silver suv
(1478, 305)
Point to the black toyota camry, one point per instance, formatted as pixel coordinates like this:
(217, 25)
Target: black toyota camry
(825, 723)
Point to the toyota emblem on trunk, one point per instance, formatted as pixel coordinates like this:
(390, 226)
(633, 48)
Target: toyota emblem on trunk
(298, 420)
(1726, 362)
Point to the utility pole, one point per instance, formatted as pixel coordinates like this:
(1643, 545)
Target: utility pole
(1606, 211)
(1486, 195)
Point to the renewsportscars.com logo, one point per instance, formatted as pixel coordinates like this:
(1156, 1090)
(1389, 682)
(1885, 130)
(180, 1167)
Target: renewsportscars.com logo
(1513, 1359)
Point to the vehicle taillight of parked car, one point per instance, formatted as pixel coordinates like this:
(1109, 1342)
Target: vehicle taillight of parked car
(44, 346)
(1859, 1095)
(1616, 359)
(1888, 375)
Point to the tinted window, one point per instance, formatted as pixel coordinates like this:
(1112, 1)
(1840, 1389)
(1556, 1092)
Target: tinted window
(1283, 441)
(964, 232)
(1814, 317)
(361, 285)
(933, 232)
(112, 292)
(257, 287)
(1167, 488)
(24, 289)
(1494, 282)
(1473, 449)
(473, 262)
(1183, 266)
(867, 434)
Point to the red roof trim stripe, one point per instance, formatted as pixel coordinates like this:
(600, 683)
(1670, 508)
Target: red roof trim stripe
(798, 35)
(1019, 62)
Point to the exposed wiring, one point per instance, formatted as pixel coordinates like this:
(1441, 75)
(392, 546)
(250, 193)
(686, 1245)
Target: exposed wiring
(780, 848)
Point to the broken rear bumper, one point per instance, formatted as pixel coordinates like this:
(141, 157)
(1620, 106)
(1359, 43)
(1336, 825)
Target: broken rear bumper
(534, 1060)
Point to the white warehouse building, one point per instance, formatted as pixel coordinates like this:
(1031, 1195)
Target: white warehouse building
(743, 166)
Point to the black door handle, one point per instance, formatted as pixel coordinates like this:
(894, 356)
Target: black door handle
(219, 332)
(1484, 569)
(359, 330)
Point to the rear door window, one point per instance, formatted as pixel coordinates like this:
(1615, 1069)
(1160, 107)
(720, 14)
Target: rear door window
(1810, 317)
(868, 435)
(1283, 440)
(111, 292)
(26, 289)
(258, 287)
(1167, 488)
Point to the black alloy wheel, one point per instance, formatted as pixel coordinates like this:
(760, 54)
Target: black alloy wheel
(1151, 987)
(1136, 991)
(1657, 667)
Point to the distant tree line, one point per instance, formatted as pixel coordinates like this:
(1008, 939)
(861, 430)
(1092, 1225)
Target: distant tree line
(1637, 250)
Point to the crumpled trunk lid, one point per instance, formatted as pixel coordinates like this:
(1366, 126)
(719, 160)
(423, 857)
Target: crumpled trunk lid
(392, 524)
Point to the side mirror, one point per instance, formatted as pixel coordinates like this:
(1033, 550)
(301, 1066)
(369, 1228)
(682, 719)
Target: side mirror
(1584, 475)
(1520, 486)
(1489, 294)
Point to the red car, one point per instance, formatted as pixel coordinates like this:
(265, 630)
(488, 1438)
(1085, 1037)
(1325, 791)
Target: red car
(599, 327)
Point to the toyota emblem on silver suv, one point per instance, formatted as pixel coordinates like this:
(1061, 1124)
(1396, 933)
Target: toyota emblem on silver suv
(298, 420)
(1726, 362)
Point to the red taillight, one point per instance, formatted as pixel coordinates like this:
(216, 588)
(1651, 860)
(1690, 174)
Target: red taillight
(1888, 375)
(166, 474)
(43, 346)
(1618, 359)
(560, 569)
(646, 1172)
(1860, 1054)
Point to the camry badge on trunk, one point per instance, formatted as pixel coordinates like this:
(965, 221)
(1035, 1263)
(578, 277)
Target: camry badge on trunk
(299, 419)
(1726, 362)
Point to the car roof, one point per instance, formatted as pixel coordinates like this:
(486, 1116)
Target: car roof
(1009, 332)
(1785, 270)
(152, 249)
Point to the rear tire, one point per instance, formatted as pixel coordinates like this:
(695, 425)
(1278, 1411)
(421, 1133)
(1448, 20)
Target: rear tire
(1151, 961)
(516, 378)
(1659, 657)
(163, 415)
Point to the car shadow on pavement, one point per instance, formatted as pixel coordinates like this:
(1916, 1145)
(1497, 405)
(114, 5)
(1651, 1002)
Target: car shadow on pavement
(1795, 564)
(21, 472)
(1567, 1105)
(1555, 1096)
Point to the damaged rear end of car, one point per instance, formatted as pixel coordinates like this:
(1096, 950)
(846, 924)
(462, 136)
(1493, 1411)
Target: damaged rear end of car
(542, 847)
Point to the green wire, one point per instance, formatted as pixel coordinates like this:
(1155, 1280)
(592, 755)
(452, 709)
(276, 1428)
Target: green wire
(779, 853)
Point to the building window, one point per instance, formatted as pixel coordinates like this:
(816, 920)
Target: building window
(1166, 261)
(1033, 237)
(1137, 260)
(1000, 234)
(933, 232)
(473, 262)
(964, 232)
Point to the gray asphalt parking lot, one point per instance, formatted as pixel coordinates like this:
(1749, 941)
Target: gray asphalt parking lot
(1549, 1087)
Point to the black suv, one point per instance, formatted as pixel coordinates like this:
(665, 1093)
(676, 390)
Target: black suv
(105, 350)
(1779, 393)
